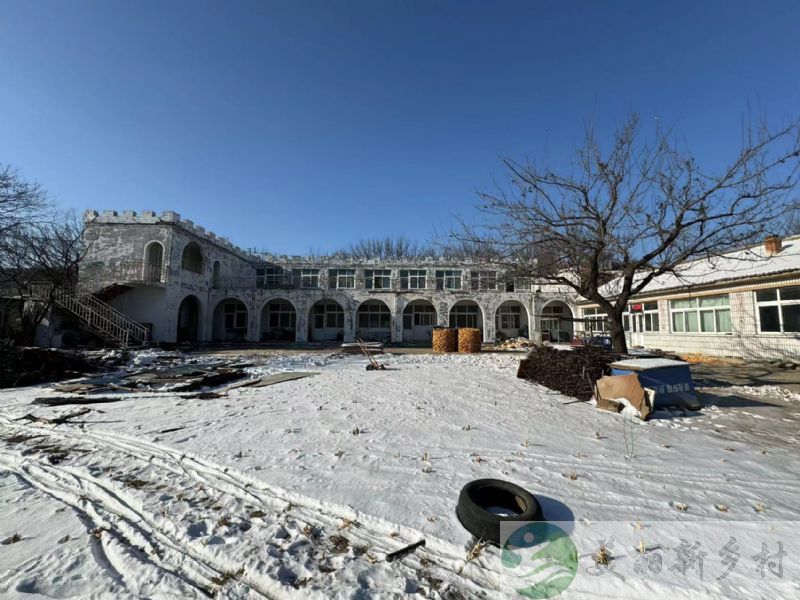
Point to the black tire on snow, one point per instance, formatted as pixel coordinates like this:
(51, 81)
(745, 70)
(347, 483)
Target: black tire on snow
(478, 495)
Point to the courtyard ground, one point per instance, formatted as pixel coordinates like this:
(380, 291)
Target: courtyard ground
(300, 489)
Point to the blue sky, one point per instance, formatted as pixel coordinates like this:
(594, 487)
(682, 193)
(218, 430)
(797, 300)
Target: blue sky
(296, 126)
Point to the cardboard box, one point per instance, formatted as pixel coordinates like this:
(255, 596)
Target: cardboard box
(614, 387)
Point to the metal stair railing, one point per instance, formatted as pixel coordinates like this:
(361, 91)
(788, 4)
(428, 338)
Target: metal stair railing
(95, 313)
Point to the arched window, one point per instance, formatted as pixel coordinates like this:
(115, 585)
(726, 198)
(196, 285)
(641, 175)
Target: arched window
(466, 313)
(192, 258)
(374, 314)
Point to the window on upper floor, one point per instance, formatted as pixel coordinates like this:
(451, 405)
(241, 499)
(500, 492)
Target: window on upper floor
(483, 280)
(341, 279)
(192, 258)
(413, 279)
(153, 261)
(779, 310)
(307, 278)
(378, 279)
(271, 277)
(448, 280)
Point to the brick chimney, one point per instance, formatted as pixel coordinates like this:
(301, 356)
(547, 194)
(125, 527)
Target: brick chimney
(772, 245)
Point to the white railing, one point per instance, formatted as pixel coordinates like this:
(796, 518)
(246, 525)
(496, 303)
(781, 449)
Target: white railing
(95, 313)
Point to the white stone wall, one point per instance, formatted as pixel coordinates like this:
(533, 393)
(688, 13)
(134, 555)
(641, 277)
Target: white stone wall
(115, 239)
(303, 300)
(119, 238)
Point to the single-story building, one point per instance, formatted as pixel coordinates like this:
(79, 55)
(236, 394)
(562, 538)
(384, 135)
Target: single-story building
(744, 303)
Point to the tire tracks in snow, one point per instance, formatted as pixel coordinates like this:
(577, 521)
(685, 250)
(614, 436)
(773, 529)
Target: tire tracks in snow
(108, 507)
(109, 511)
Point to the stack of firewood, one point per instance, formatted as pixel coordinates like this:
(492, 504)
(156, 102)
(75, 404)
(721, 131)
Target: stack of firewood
(571, 372)
(469, 340)
(444, 339)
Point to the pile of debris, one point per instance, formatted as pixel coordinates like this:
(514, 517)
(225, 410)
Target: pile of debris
(572, 372)
(712, 361)
(517, 343)
(188, 378)
(170, 374)
(29, 366)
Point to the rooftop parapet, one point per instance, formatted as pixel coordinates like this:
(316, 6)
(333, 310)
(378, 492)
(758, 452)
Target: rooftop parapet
(129, 217)
(343, 260)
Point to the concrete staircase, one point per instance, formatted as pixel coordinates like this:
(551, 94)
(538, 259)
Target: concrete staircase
(106, 321)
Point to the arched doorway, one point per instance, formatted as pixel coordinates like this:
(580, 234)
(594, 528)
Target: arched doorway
(192, 258)
(374, 321)
(556, 322)
(326, 322)
(188, 320)
(153, 261)
(466, 313)
(278, 321)
(511, 320)
(419, 319)
(230, 321)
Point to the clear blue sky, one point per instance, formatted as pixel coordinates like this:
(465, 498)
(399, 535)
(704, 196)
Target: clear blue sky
(300, 125)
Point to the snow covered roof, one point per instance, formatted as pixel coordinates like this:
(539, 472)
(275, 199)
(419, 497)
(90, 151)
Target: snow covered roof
(750, 262)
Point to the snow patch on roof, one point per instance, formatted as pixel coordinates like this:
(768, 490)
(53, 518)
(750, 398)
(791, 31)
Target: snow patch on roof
(738, 264)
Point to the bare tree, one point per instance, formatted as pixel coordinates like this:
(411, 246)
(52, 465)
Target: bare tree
(37, 261)
(21, 202)
(40, 249)
(388, 248)
(634, 210)
(791, 221)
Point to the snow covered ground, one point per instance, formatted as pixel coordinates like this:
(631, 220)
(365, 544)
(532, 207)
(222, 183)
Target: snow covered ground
(300, 489)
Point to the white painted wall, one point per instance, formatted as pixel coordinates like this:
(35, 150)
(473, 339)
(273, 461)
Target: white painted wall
(745, 341)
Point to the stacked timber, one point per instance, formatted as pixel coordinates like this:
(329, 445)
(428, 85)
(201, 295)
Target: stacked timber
(572, 372)
(469, 340)
(444, 339)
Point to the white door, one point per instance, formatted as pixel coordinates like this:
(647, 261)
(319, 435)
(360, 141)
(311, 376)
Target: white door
(637, 335)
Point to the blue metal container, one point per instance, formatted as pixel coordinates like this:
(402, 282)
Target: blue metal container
(671, 379)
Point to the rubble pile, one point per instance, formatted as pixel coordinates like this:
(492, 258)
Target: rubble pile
(571, 372)
(28, 366)
(517, 343)
(152, 378)
(171, 374)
